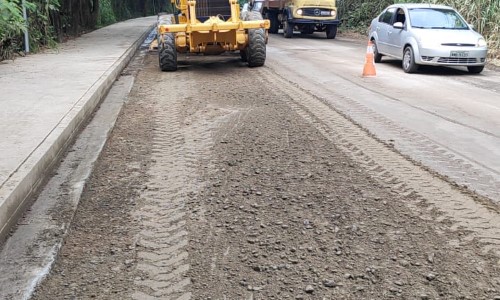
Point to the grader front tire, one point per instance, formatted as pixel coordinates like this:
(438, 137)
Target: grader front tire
(167, 53)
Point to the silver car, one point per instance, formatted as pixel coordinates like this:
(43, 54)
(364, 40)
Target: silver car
(426, 34)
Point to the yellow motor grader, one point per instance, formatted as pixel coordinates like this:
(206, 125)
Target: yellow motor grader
(212, 27)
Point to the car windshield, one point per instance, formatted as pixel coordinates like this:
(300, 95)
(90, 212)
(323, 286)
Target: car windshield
(433, 18)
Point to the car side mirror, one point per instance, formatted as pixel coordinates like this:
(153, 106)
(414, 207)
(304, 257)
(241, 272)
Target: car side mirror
(398, 25)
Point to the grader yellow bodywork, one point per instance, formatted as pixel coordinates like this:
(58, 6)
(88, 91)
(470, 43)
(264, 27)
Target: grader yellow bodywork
(211, 27)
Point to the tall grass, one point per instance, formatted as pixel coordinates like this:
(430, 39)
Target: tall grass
(357, 14)
(485, 16)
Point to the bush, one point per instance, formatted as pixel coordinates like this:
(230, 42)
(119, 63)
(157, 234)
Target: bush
(106, 14)
(11, 27)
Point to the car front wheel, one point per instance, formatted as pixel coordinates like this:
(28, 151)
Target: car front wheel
(377, 57)
(409, 65)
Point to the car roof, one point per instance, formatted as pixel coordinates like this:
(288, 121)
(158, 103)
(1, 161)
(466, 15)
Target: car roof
(420, 5)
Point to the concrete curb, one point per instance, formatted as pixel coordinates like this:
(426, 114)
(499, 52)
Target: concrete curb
(32, 173)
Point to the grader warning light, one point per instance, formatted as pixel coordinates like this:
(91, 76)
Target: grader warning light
(212, 27)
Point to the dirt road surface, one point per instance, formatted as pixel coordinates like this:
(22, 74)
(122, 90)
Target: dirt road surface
(224, 182)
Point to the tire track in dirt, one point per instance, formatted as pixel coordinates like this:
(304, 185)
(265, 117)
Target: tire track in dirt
(284, 209)
(422, 148)
(385, 164)
(462, 170)
(162, 243)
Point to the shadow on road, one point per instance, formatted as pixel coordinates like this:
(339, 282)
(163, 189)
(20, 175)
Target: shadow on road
(430, 70)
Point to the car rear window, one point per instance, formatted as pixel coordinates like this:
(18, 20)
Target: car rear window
(433, 18)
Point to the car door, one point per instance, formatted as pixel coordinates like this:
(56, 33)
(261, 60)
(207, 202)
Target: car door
(395, 36)
(384, 26)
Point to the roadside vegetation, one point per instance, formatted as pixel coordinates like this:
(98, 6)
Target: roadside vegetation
(51, 21)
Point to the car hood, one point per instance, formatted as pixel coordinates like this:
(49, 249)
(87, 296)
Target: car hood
(447, 36)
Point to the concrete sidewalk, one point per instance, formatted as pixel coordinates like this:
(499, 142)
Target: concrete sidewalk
(46, 98)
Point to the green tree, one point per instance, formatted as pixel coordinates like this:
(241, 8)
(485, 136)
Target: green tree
(12, 25)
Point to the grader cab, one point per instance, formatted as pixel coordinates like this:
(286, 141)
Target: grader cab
(211, 27)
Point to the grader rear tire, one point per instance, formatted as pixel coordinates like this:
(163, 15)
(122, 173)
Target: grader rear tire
(256, 50)
(167, 53)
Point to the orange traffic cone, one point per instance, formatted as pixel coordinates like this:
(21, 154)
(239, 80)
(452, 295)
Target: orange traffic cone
(369, 68)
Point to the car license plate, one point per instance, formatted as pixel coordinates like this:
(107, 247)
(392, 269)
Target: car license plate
(459, 54)
(325, 13)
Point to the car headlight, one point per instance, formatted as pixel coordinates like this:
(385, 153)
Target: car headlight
(481, 42)
(333, 13)
(299, 11)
